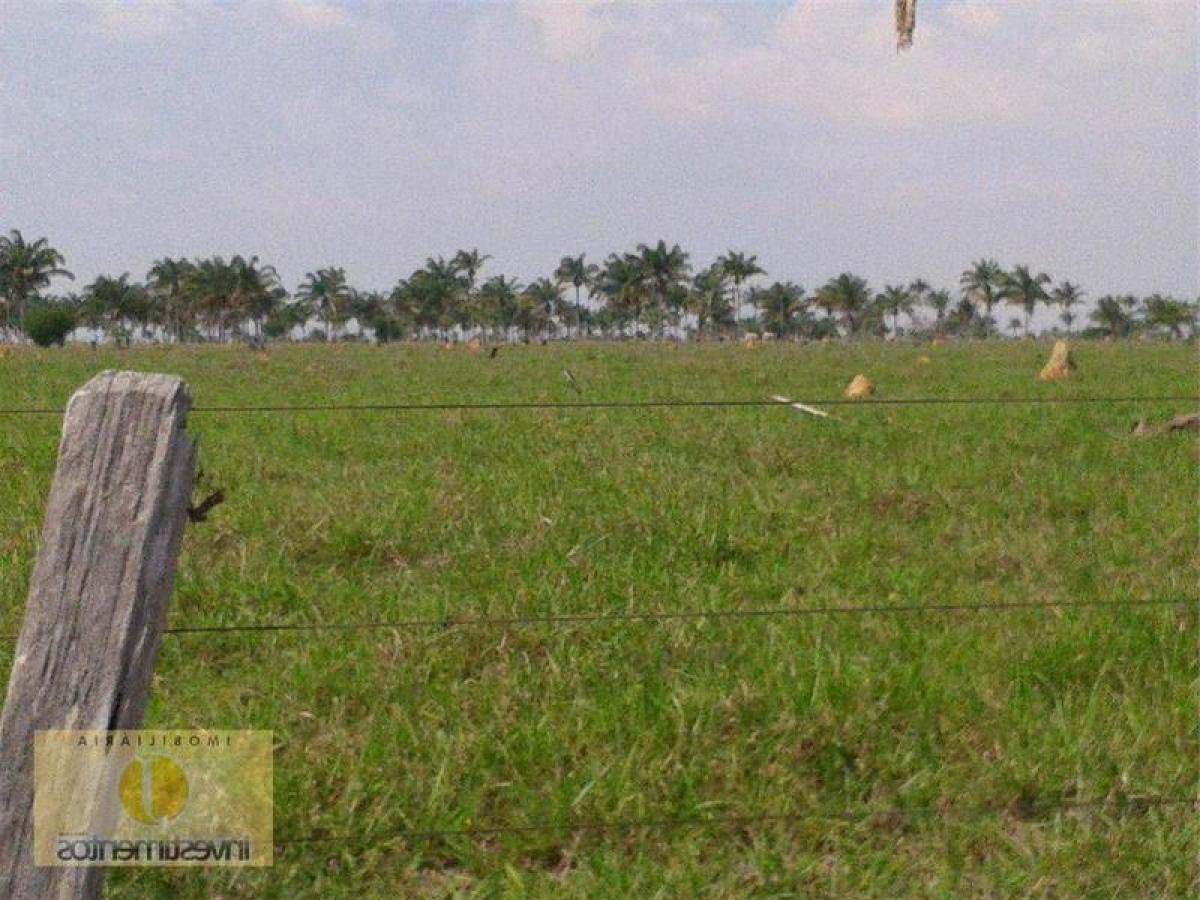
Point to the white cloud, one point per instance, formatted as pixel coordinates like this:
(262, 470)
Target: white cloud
(148, 21)
(160, 21)
(569, 29)
(317, 15)
(323, 17)
(976, 62)
(975, 16)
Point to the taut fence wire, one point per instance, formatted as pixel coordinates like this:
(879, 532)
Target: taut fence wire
(653, 616)
(515, 406)
(659, 616)
(1018, 807)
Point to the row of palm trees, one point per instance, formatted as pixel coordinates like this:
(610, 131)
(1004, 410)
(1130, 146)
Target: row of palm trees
(651, 290)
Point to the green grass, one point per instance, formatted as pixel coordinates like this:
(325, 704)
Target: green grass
(344, 516)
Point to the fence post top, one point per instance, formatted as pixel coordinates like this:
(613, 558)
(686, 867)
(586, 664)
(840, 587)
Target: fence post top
(112, 381)
(171, 389)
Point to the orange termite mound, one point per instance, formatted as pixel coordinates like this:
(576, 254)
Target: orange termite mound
(1060, 364)
(858, 388)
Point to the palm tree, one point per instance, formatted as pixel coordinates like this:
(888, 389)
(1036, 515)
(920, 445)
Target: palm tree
(1171, 314)
(849, 295)
(982, 284)
(1025, 289)
(117, 305)
(826, 301)
(622, 283)
(287, 316)
(445, 291)
(415, 300)
(1111, 318)
(372, 310)
(546, 297)
(500, 297)
(328, 294)
(739, 268)
(403, 305)
(709, 297)
(919, 290)
(210, 287)
(1067, 295)
(167, 282)
(256, 291)
(938, 301)
(666, 272)
(784, 308)
(965, 319)
(578, 273)
(896, 299)
(468, 264)
(434, 299)
(25, 268)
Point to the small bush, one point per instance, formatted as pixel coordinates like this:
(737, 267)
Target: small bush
(49, 324)
(386, 329)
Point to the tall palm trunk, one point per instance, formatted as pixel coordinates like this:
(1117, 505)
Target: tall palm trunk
(578, 314)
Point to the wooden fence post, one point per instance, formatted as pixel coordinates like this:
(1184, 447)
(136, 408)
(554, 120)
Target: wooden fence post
(98, 599)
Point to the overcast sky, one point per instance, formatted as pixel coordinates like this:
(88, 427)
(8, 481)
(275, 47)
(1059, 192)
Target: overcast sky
(1062, 134)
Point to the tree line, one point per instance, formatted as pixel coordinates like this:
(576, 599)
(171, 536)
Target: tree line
(650, 291)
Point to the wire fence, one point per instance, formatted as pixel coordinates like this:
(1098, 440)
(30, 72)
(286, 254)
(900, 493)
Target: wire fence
(1020, 808)
(531, 405)
(660, 616)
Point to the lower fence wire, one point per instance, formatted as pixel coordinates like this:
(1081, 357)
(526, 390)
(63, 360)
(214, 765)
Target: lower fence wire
(675, 615)
(1023, 809)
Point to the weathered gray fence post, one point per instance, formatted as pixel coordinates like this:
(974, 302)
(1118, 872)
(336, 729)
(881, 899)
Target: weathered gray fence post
(98, 600)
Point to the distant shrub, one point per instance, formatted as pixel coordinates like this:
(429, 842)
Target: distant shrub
(276, 327)
(49, 324)
(386, 329)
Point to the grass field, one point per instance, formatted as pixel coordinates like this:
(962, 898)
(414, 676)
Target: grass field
(338, 516)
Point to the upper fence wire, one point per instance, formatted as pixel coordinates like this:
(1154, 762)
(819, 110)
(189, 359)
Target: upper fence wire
(662, 616)
(714, 403)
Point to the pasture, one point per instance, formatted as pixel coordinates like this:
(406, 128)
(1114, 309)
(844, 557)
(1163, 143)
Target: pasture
(940, 753)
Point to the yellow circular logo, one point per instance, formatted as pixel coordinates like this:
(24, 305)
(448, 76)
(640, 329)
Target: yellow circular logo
(153, 790)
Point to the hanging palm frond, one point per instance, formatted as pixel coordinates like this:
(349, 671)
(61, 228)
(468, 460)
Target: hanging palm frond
(906, 21)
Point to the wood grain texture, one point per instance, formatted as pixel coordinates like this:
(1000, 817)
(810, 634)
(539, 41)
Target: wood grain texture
(98, 598)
